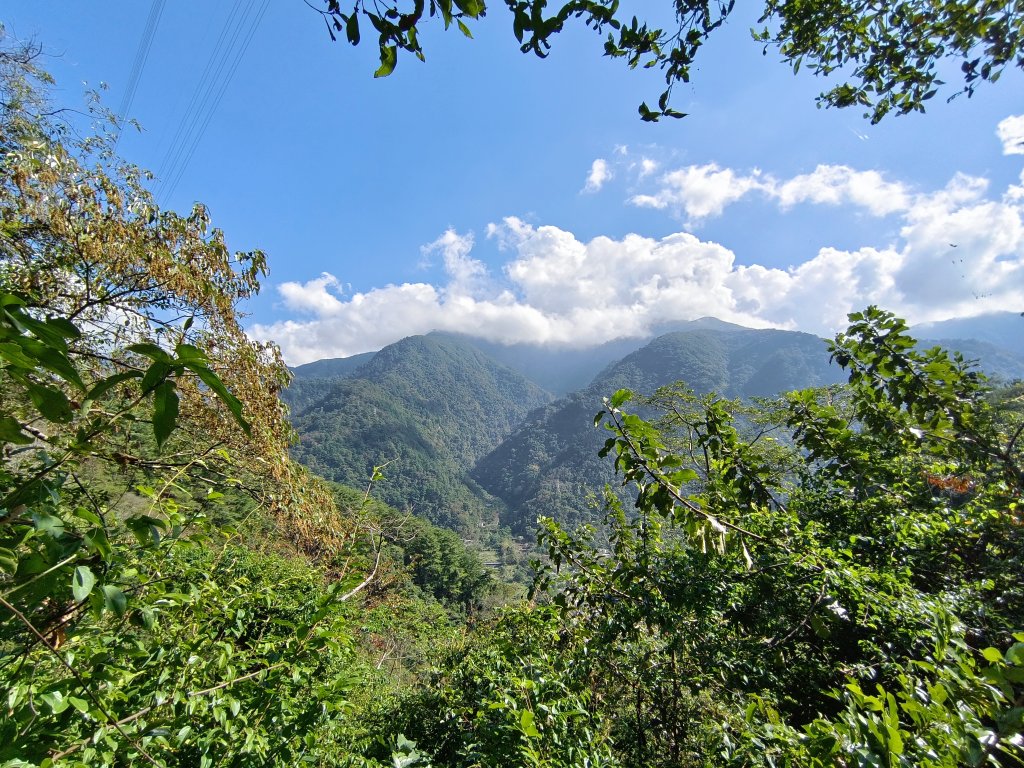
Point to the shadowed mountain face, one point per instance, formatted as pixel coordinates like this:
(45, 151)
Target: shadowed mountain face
(549, 466)
(427, 407)
(998, 363)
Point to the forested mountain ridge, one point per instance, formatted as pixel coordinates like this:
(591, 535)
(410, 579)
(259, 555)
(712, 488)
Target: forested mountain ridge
(427, 407)
(1001, 329)
(333, 367)
(417, 401)
(550, 465)
(996, 361)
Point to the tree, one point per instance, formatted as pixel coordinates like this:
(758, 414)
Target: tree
(132, 406)
(890, 54)
(831, 582)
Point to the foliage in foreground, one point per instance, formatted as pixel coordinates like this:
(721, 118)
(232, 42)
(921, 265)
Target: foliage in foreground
(133, 412)
(838, 586)
(889, 54)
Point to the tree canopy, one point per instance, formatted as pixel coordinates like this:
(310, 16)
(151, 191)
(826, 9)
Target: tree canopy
(889, 56)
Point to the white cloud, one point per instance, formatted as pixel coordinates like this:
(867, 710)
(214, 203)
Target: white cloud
(312, 297)
(1011, 133)
(839, 184)
(465, 273)
(698, 192)
(599, 174)
(959, 251)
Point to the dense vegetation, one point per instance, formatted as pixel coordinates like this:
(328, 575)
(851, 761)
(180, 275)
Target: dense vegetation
(550, 465)
(173, 589)
(829, 579)
(428, 407)
(839, 588)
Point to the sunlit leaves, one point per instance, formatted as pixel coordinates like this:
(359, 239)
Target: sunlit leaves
(824, 541)
(888, 56)
(82, 583)
(124, 371)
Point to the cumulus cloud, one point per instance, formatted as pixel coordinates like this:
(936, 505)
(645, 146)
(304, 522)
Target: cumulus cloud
(647, 166)
(312, 297)
(959, 251)
(465, 274)
(600, 172)
(839, 184)
(698, 192)
(1011, 133)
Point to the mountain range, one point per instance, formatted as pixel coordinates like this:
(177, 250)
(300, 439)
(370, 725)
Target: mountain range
(475, 435)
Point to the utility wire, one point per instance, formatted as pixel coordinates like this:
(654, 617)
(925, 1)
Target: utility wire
(156, 10)
(231, 47)
(210, 72)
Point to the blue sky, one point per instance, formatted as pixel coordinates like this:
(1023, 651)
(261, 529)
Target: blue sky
(493, 193)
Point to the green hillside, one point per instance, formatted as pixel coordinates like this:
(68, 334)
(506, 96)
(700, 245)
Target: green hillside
(1002, 329)
(334, 367)
(427, 407)
(550, 466)
(998, 362)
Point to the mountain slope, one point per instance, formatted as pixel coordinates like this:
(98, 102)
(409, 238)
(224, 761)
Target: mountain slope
(426, 406)
(997, 362)
(1002, 329)
(565, 369)
(549, 466)
(332, 368)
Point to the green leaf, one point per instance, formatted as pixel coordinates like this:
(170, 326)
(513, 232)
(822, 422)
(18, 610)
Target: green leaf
(388, 59)
(51, 403)
(8, 561)
(49, 524)
(51, 332)
(1015, 654)
(992, 655)
(472, 8)
(165, 411)
(10, 431)
(82, 583)
(152, 351)
(80, 704)
(96, 540)
(187, 352)
(526, 723)
(64, 327)
(464, 29)
(352, 29)
(145, 527)
(10, 300)
(105, 385)
(55, 701)
(114, 600)
(212, 380)
(15, 355)
(155, 374)
(621, 397)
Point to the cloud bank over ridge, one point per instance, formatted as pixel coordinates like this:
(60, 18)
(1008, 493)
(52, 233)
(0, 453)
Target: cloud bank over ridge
(959, 252)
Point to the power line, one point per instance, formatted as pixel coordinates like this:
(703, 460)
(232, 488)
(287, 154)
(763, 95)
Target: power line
(217, 75)
(139, 64)
(199, 95)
